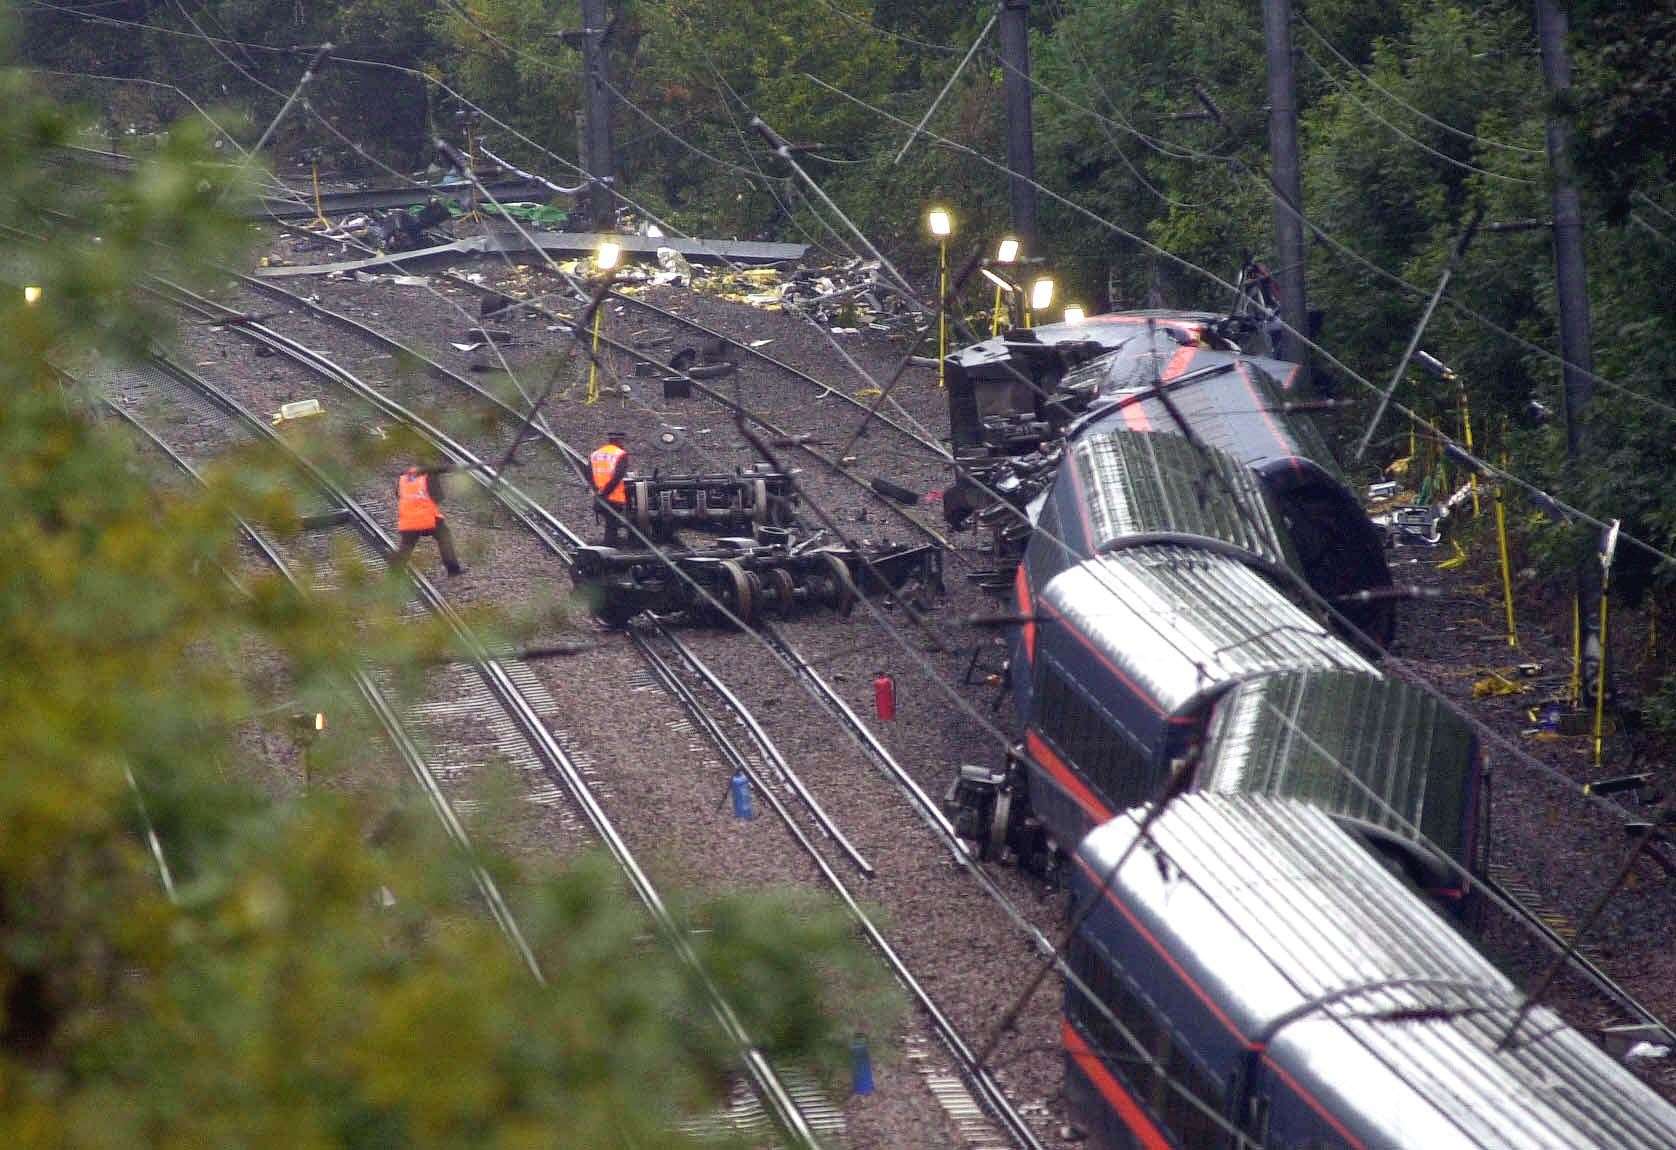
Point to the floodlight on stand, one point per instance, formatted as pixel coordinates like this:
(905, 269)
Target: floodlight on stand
(1074, 313)
(1041, 293)
(32, 295)
(1007, 252)
(1001, 284)
(607, 254)
(940, 222)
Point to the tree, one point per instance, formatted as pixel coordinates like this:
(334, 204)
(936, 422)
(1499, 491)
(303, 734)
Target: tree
(278, 1001)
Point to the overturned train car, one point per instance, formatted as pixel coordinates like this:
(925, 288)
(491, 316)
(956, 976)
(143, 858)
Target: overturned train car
(1016, 401)
(1159, 582)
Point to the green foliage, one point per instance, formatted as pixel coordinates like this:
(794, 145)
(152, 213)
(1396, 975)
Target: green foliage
(282, 1000)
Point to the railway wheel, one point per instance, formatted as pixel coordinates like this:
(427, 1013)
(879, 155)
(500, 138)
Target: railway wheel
(995, 836)
(781, 591)
(841, 592)
(736, 592)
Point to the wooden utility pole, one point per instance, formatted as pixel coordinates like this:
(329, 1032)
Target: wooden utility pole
(1572, 283)
(1021, 148)
(1289, 265)
(597, 155)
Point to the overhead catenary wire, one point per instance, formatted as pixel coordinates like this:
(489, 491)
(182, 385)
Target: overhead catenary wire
(1420, 422)
(1410, 415)
(1400, 102)
(1374, 115)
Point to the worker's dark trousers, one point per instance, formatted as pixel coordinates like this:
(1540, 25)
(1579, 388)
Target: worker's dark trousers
(615, 533)
(444, 544)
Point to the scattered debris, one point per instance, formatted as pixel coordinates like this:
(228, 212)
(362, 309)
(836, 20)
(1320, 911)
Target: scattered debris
(894, 491)
(1495, 683)
(677, 269)
(297, 409)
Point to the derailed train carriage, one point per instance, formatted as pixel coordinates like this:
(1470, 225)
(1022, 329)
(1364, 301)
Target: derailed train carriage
(1257, 979)
(1161, 623)
(1264, 968)
(1015, 401)
(759, 566)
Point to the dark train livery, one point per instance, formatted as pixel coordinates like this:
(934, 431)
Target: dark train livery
(1258, 980)
(1269, 967)
(1159, 583)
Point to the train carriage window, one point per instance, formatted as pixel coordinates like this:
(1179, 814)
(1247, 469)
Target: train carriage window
(1091, 738)
(1167, 1073)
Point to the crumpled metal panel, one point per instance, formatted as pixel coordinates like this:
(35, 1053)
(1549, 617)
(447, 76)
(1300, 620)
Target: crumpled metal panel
(1229, 400)
(1373, 749)
(1179, 621)
(1357, 988)
(1132, 483)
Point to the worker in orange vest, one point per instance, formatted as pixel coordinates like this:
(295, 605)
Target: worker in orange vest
(609, 465)
(418, 515)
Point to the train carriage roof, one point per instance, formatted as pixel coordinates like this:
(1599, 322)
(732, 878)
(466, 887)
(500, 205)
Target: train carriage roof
(1130, 484)
(1349, 982)
(1376, 750)
(1231, 401)
(1179, 622)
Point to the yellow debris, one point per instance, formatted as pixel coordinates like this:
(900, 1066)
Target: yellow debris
(1495, 683)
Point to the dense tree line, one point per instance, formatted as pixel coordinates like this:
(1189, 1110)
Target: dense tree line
(121, 1011)
(282, 967)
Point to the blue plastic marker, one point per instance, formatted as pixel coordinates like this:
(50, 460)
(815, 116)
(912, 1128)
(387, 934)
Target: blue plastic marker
(741, 788)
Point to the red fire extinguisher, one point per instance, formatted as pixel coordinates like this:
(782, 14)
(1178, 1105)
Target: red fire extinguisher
(884, 696)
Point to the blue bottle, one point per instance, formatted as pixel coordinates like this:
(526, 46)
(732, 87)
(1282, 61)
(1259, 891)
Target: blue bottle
(740, 786)
(861, 1066)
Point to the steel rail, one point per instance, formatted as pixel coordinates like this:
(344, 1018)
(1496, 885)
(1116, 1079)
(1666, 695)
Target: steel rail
(769, 749)
(1585, 967)
(376, 700)
(795, 372)
(988, 1087)
(836, 466)
(994, 1099)
(770, 1087)
(540, 425)
(833, 465)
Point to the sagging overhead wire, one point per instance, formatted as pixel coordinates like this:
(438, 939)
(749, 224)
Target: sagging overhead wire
(1374, 115)
(1486, 141)
(1424, 426)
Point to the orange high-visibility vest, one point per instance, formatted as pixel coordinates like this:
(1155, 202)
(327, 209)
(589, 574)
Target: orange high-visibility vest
(604, 463)
(415, 509)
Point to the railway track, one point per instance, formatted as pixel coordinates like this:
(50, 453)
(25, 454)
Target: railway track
(795, 1110)
(1523, 900)
(1558, 931)
(398, 725)
(781, 437)
(560, 540)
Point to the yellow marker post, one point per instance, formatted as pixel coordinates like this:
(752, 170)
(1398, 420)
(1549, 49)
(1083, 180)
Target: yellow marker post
(1506, 566)
(319, 213)
(1466, 433)
(1608, 549)
(1005, 253)
(605, 258)
(1574, 687)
